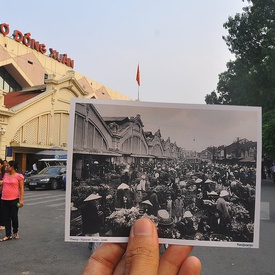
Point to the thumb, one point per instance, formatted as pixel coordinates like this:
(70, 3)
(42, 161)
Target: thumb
(142, 254)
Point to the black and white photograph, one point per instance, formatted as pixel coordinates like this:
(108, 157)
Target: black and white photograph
(194, 170)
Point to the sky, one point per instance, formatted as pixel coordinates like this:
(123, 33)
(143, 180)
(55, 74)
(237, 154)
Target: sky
(191, 126)
(178, 44)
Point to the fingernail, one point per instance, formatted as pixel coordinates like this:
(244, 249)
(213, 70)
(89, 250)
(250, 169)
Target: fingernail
(143, 227)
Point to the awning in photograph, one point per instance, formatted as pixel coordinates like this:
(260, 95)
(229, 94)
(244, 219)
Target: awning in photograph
(162, 157)
(143, 156)
(110, 154)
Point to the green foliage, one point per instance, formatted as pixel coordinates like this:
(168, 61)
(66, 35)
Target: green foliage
(269, 133)
(250, 79)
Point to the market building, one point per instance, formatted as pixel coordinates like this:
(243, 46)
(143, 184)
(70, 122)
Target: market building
(36, 85)
(115, 141)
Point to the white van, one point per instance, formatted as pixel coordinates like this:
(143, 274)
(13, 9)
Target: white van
(42, 163)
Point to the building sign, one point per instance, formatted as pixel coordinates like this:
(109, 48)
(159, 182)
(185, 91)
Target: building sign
(8, 151)
(36, 45)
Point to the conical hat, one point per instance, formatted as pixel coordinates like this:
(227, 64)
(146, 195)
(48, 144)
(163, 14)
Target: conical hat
(163, 214)
(123, 186)
(147, 202)
(224, 193)
(93, 197)
(187, 214)
(198, 180)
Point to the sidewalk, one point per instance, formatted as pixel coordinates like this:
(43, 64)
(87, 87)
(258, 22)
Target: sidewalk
(268, 182)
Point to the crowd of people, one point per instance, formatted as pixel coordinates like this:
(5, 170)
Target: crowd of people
(12, 198)
(268, 171)
(203, 202)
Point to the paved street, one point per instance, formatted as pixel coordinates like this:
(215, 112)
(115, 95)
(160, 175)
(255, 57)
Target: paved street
(42, 250)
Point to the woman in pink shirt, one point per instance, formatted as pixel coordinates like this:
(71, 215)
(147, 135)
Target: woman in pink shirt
(2, 172)
(12, 199)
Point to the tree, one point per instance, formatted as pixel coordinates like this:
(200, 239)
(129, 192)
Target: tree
(269, 133)
(250, 79)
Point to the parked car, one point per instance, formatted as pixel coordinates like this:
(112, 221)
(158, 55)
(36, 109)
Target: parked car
(50, 177)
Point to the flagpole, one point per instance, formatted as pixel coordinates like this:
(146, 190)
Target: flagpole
(138, 92)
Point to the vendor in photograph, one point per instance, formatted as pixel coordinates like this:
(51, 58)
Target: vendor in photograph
(92, 218)
(235, 187)
(199, 198)
(155, 202)
(204, 226)
(213, 196)
(125, 176)
(205, 186)
(145, 207)
(218, 225)
(186, 226)
(222, 206)
(123, 197)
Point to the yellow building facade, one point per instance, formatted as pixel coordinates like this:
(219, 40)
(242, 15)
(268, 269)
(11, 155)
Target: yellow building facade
(35, 92)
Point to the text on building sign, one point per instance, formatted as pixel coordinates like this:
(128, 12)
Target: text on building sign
(36, 45)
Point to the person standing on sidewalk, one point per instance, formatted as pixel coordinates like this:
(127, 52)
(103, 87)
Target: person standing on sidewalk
(273, 171)
(2, 172)
(12, 199)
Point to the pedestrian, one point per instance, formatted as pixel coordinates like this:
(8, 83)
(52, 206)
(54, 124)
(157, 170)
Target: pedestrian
(2, 169)
(179, 207)
(169, 205)
(5, 167)
(34, 168)
(273, 171)
(140, 190)
(142, 183)
(12, 198)
(2, 226)
(155, 202)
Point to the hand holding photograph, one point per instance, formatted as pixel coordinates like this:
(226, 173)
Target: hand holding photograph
(194, 170)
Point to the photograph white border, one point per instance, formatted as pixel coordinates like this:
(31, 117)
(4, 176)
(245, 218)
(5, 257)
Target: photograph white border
(152, 105)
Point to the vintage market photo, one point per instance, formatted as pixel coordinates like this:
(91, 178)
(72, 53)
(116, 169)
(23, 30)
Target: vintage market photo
(192, 169)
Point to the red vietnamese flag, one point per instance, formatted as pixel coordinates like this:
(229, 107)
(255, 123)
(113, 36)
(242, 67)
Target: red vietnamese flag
(138, 76)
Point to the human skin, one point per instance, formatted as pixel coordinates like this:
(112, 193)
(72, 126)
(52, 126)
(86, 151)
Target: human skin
(141, 255)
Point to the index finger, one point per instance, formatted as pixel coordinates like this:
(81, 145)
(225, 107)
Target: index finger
(104, 259)
(173, 259)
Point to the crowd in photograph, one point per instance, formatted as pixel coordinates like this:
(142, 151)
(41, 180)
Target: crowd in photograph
(199, 202)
